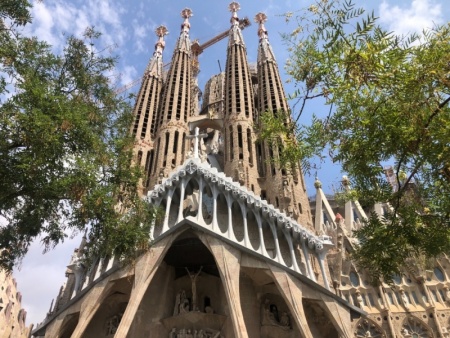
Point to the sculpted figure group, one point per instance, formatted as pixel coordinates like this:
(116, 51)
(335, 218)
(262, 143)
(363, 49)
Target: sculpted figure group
(271, 317)
(188, 333)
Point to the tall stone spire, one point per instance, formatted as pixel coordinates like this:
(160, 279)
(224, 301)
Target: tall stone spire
(146, 108)
(155, 66)
(239, 162)
(170, 140)
(271, 95)
(235, 36)
(288, 187)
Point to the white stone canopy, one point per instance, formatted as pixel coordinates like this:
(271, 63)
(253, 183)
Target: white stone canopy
(257, 227)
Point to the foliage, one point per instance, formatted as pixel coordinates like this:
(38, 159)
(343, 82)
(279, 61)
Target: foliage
(388, 101)
(65, 149)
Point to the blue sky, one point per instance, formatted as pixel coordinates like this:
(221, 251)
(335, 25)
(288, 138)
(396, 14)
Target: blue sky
(128, 31)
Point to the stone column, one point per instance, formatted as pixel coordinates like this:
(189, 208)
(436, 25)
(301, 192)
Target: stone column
(291, 291)
(90, 305)
(228, 262)
(145, 270)
(339, 316)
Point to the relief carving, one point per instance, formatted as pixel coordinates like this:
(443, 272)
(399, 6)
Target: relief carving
(188, 333)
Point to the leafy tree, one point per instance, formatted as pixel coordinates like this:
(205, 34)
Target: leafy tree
(388, 101)
(65, 149)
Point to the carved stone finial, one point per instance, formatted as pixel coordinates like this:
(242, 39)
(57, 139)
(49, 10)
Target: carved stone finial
(317, 183)
(261, 18)
(234, 7)
(161, 31)
(186, 14)
(345, 181)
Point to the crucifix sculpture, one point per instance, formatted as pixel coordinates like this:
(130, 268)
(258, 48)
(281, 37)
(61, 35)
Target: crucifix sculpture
(194, 277)
(197, 136)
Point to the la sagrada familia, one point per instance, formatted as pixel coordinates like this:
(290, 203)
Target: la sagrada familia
(241, 251)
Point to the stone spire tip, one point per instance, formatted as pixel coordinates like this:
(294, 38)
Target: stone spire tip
(261, 18)
(160, 44)
(186, 14)
(234, 7)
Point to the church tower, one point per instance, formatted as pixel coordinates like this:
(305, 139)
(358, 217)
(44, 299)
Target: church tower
(239, 114)
(147, 108)
(288, 187)
(172, 125)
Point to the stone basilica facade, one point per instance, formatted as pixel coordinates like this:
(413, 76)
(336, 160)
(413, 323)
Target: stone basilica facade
(240, 251)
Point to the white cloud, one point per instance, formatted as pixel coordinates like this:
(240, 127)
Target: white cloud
(128, 74)
(43, 24)
(52, 18)
(41, 277)
(421, 14)
(143, 34)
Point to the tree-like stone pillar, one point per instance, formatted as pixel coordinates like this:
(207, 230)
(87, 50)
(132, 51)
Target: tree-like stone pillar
(277, 243)
(166, 216)
(291, 250)
(145, 270)
(307, 261)
(89, 307)
(228, 262)
(291, 291)
(215, 193)
(339, 316)
(262, 247)
(182, 191)
(244, 218)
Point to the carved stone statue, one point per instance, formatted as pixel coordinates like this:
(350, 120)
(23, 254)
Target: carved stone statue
(176, 309)
(213, 144)
(181, 303)
(184, 306)
(112, 324)
(203, 153)
(359, 299)
(285, 321)
(405, 299)
(270, 316)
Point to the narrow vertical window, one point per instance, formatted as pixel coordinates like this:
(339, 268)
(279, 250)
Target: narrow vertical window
(240, 143)
(250, 146)
(157, 154)
(231, 144)
(166, 145)
(175, 143)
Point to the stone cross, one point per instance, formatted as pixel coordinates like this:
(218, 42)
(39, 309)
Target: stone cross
(197, 136)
